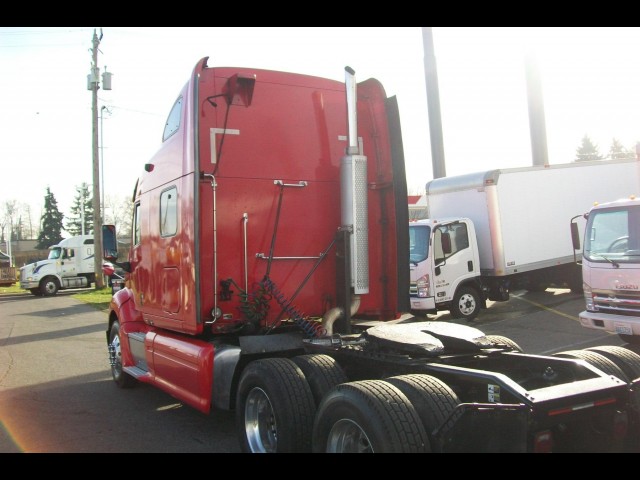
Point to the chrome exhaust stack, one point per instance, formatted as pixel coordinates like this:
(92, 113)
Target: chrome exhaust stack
(353, 189)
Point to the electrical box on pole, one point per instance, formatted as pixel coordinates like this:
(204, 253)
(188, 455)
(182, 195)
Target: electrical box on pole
(106, 79)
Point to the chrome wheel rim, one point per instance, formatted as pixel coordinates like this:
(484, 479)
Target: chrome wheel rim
(346, 436)
(116, 356)
(260, 422)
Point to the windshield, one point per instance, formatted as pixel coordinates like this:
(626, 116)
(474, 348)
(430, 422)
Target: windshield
(419, 242)
(613, 234)
(55, 253)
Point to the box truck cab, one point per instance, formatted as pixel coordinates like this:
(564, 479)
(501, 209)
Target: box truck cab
(445, 267)
(611, 268)
(69, 265)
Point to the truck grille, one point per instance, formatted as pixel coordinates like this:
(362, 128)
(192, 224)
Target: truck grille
(413, 289)
(617, 303)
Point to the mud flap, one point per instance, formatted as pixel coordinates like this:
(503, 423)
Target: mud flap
(483, 428)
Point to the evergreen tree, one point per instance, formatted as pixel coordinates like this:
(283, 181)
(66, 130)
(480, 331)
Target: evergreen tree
(51, 223)
(617, 151)
(587, 151)
(82, 208)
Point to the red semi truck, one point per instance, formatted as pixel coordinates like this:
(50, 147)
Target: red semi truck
(268, 275)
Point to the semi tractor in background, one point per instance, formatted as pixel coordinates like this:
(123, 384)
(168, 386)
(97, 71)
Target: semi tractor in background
(268, 275)
(69, 265)
(611, 267)
(491, 232)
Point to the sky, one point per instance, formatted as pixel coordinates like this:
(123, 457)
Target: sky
(589, 79)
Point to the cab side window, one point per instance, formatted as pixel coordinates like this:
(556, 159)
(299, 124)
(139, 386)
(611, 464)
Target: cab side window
(169, 212)
(136, 224)
(173, 121)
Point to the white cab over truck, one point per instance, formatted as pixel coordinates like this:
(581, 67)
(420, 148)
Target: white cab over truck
(611, 268)
(491, 232)
(69, 265)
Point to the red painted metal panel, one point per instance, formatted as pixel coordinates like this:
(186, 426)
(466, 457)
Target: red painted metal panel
(294, 130)
(183, 367)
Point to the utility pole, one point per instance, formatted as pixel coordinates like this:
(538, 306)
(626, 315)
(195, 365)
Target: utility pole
(433, 105)
(93, 84)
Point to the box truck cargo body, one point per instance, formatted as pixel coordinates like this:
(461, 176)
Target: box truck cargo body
(521, 217)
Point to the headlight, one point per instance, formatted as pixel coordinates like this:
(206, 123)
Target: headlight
(424, 286)
(588, 298)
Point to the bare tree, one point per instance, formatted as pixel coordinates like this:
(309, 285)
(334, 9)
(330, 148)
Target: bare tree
(118, 212)
(9, 211)
(29, 230)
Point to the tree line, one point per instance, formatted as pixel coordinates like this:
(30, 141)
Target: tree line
(17, 219)
(588, 151)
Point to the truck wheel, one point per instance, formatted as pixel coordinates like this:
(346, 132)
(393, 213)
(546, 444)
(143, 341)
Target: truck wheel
(627, 360)
(274, 408)
(368, 416)
(500, 340)
(322, 373)
(465, 304)
(432, 398)
(49, 286)
(597, 360)
(122, 379)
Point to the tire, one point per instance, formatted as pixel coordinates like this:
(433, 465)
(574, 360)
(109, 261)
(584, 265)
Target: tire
(49, 286)
(465, 304)
(433, 400)
(368, 416)
(322, 373)
(627, 360)
(274, 408)
(500, 340)
(597, 360)
(122, 379)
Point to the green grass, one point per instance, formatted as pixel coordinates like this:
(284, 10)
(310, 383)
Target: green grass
(11, 289)
(98, 299)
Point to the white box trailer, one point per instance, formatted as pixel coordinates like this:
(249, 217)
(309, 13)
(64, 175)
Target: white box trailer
(522, 220)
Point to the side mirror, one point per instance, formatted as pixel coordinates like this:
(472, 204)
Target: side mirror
(575, 234)
(109, 243)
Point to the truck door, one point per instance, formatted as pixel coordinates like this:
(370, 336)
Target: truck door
(453, 259)
(68, 262)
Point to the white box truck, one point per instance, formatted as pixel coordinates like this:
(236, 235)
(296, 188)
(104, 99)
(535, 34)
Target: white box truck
(69, 265)
(495, 231)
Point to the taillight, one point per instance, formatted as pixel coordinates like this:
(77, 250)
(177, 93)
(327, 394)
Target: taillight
(543, 442)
